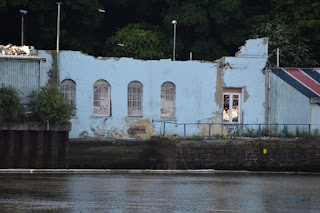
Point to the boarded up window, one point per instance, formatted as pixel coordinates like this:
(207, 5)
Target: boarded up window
(101, 98)
(231, 106)
(68, 88)
(135, 90)
(168, 99)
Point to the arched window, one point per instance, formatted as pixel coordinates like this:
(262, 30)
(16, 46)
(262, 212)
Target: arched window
(135, 90)
(168, 99)
(68, 88)
(101, 98)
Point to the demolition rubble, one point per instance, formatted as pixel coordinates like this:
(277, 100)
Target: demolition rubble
(16, 50)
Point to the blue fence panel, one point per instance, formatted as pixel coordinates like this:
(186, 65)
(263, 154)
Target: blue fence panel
(260, 129)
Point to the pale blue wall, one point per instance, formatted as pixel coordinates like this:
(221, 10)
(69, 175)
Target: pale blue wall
(198, 89)
(45, 66)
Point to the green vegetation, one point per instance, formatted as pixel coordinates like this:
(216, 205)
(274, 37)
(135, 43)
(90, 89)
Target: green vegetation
(50, 105)
(11, 109)
(208, 29)
(196, 138)
(294, 50)
(218, 136)
(250, 132)
(138, 42)
(47, 105)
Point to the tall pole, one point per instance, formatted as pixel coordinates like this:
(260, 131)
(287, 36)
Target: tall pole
(58, 37)
(22, 20)
(174, 22)
(278, 58)
(23, 12)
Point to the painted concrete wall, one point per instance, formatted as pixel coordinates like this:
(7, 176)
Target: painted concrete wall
(47, 67)
(199, 91)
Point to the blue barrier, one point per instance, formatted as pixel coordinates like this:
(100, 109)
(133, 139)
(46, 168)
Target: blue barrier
(285, 125)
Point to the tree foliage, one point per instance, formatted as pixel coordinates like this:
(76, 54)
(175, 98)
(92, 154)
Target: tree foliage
(11, 109)
(294, 27)
(136, 42)
(294, 51)
(208, 28)
(50, 105)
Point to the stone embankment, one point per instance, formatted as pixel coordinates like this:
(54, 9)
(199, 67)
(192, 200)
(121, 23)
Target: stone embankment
(254, 155)
(36, 148)
(264, 155)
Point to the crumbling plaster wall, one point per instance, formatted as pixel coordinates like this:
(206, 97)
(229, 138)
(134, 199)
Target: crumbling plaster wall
(195, 84)
(199, 88)
(48, 67)
(246, 71)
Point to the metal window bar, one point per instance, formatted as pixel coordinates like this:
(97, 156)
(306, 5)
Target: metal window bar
(168, 96)
(135, 91)
(68, 88)
(101, 98)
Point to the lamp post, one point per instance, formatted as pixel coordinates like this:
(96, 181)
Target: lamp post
(58, 26)
(58, 41)
(174, 22)
(23, 12)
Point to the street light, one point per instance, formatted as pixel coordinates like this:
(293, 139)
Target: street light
(101, 11)
(174, 22)
(58, 26)
(23, 12)
(58, 40)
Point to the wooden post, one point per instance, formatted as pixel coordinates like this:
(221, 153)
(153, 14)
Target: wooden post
(278, 58)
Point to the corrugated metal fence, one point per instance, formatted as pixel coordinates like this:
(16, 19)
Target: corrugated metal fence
(23, 75)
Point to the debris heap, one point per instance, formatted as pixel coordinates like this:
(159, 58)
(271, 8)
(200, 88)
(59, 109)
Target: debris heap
(15, 50)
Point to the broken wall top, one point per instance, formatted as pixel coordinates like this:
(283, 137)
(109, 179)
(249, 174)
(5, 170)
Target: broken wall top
(254, 48)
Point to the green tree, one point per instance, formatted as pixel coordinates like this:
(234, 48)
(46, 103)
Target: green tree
(136, 41)
(300, 23)
(208, 28)
(50, 105)
(11, 109)
(212, 28)
(294, 51)
(80, 24)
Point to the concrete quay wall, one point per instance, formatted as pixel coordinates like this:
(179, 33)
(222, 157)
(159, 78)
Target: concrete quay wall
(264, 155)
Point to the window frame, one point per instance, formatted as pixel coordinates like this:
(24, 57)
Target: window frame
(108, 98)
(231, 94)
(139, 99)
(164, 103)
(72, 94)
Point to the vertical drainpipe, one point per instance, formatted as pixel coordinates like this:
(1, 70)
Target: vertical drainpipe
(310, 112)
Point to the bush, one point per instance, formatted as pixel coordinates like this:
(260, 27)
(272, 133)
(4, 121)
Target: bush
(50, 105)
(11, 110)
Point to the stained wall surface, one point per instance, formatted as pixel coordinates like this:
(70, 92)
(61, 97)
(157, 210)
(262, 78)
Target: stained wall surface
(199, 91)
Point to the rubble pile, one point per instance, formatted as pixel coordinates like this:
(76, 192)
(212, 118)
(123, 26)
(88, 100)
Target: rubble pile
(16, 50)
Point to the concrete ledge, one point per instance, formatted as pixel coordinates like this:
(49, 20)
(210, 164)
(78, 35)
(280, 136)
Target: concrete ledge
(33, 126)
(142, 171)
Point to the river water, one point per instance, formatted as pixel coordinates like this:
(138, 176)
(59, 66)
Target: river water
(217, 192)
